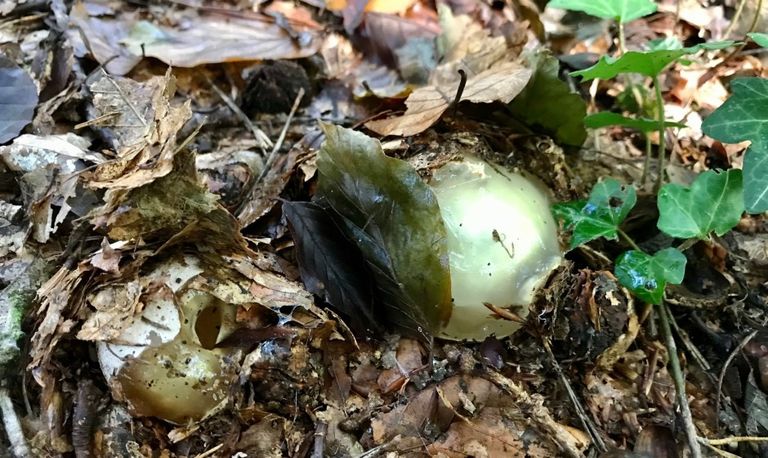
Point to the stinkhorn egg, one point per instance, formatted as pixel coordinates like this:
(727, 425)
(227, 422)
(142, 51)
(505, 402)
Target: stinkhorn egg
(502, 242)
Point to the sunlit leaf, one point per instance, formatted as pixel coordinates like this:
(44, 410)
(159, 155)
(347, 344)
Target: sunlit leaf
(606, 118)
(620, 10)
(394, 219)
(760, 38)
(744, 117)
(18, 99)
(648, 63)
(600, 216)
(713, 203)
(647, 276)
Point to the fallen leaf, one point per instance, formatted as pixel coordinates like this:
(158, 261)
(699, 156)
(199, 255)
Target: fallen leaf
(425, 105)
(18, 99)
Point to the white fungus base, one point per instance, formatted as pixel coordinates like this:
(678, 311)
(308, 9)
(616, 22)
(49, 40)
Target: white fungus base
(478, 201)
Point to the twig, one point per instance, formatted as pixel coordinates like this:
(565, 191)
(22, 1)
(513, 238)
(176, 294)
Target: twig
(536, 410)
(677, 375)
(13, 426)
(720, 379)
(735, 19)
(210, 452)
(719, 452)
(135, 111)
(262, 140)
(733, 440)
(580, 412)
(281, 138)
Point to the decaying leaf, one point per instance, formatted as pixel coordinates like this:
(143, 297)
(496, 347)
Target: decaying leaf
(144, 125)
(393, 217)
(492, 75)
(207, 36)
(50, 166)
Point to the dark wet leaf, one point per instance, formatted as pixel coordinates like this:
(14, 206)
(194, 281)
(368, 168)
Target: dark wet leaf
(394, 219)
(18, 99)
(600, 216)
(647, 276)
(331, 266)
(713, 203)
(547, 103)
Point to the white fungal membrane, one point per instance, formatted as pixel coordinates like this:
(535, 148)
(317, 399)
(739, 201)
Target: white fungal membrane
(502, 242)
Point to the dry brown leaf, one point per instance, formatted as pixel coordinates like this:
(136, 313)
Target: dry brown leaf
(145, 125)
(205, 38)
(108, 258)
(378, 6)
(115, 306)
(425, 105)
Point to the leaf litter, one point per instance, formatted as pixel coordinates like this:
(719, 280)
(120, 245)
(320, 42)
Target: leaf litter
(144, 224)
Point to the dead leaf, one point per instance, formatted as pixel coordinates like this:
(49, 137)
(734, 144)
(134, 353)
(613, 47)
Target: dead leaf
(207, 36)
(426, 105)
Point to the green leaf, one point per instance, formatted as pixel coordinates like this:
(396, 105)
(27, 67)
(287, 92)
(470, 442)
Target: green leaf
(744, 117)
(647, 276)
(714, 202)
(760, 38)
(620, 10)
(648, 63)
(394, 219)
(547, 103)
(600, 216)
(666, 43)
(606, 118)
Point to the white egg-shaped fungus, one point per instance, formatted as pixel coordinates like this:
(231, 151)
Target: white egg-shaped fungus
(502, 242)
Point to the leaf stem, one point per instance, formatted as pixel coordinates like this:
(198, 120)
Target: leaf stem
(628, 239)
(622, 43)
(687, 244)
(662, 146)
(647, 163)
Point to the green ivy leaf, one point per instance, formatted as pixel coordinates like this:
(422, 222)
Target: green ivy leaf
(620, 10)
(607, 118)
(647, 276)
(744, 117)
(648, 63)
(760, 38)
(713, 203)
(549, 105)
(393, 217)
(600, 216)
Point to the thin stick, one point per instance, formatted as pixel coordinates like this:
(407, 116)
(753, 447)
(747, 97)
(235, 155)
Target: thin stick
(13, 426)
(125, 99)
(735, 19)
(281, 138)
(677, 375)
(262, 140)
(580, 412)
(734, 439)
(720, 379)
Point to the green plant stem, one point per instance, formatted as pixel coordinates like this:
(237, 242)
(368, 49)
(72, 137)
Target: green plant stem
(687, 244)
(622, 43)
(647, 163)
(629, 240)
(662, 146)
(735, 19)
(677, 376)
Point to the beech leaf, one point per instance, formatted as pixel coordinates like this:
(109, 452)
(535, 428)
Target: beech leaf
(331, 266)
(425, 105)
(394, 219)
